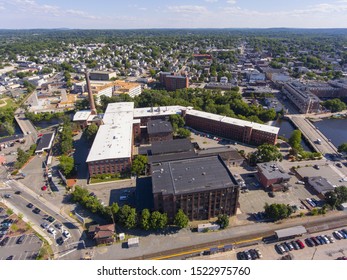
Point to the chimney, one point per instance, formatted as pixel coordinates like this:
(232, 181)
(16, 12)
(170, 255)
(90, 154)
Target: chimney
(90, 95)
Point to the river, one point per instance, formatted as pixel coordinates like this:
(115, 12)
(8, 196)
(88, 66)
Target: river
(333, 129)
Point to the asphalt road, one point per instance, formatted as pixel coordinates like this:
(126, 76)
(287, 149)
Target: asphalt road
(20, 202)
(312, 134)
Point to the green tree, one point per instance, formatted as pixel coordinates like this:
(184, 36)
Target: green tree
(9, 211)
(145, 219)
(127, 216)
(342, 148)
(181, 220)
(278, 211)
(66, 164)
(223, 221)
(295, 140)
(177, 121)
(158, 220)
(266, 153)
(183, 132)
(91, 131)
(139, 165)
(335, 105)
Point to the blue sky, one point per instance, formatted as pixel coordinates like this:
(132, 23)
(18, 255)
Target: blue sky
(173, 14)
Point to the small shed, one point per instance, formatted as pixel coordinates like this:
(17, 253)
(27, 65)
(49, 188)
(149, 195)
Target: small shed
(133, 242)
(344, 206)
(209, 226)
(291, 232)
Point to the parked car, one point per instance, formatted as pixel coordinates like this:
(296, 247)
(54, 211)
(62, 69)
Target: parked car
(50, 219)
(58, 226)
(20, 239)
(18, 192)
(280, 248)
(60, 240)
(44, 188)
(285, 247)
(325, 238)
(248, 255)
(254, 254)
(241, 256)
(295, 245)
(310, 242)
(337, 234)
(331, 239)
(66, 233)
(6, 195)
(44, 225)
(258, 253)
(30, 205)
(315, 241)
(37, 210)
(300, 243)
(300, 182)
(344, 235)
(290, 246)
(52, 231)
(4, 241)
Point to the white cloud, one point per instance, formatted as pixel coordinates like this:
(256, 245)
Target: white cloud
(232, 2)
(211, 1)
(44, 9)
(188, 9)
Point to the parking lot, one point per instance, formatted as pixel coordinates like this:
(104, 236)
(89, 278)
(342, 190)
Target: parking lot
(255, 198)
(330, 251)
(27, 250)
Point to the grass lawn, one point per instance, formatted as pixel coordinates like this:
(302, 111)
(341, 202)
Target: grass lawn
(10, 104)
(94, 180)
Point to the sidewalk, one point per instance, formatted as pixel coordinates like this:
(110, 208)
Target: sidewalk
(51, 206)
(25, 219)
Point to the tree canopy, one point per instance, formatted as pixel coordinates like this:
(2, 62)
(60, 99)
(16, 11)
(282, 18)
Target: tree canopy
(342, 148)
(181, 220)
(337, 196)
(266, 153)
(66, 164)
(139, 165)
(335, 105)
(223, 221)
(278, 211)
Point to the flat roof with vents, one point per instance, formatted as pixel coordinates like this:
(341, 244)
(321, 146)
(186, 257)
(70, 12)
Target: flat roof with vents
(191, 175)
(114, 138)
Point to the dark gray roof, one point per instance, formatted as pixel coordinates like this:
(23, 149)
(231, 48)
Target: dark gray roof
(226, 153)
(159, 126)
(171, 146)
(144, 197)
(272, 170)
(320, 184)
(289, 232)
(11, 138)
(171, 157)
(45, 142)
(191, 175)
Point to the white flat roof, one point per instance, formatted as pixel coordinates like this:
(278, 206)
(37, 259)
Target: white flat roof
(114, 138)
(81, 115)
(164, 111)
(238, 122)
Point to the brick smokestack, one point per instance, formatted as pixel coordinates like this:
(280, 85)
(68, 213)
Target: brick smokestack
(90, 95)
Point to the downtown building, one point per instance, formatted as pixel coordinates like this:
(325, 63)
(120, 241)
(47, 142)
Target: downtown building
(120, 126)
(202, 187)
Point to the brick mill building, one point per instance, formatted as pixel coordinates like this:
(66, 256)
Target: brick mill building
(202, 187)
(112, 150)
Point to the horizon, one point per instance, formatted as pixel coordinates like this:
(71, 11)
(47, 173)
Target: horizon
(154, 14)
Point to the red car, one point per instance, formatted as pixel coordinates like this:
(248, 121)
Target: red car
(300, 243)
(44, 188)
(39, 135)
